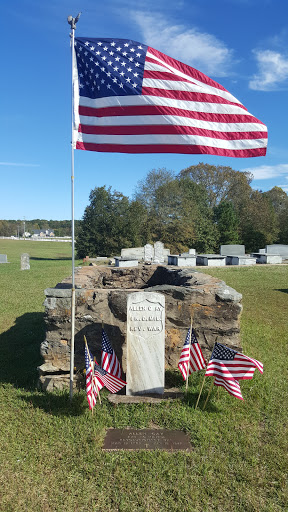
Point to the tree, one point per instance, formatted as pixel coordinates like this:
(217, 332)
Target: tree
(178, 212)
(258, 221)
(279, 200)
(221, 183)
(227, 223)
(109, 224)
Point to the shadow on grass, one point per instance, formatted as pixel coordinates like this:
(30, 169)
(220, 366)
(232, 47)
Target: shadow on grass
(61, 258)
(191, 397)
(20, 351)
(58, 403)
(284, 290)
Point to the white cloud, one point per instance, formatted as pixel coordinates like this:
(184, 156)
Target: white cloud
(266, 172)
(198, 49)
(272, 71)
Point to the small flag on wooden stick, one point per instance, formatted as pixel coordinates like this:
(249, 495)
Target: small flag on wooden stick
(109, 360)
(227, 363)
(191, 358)
(92, 387)
(111, 382)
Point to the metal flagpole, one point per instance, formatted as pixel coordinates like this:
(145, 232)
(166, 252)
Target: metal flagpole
(72, 22)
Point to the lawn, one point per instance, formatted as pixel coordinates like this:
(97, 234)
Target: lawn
(51, 457)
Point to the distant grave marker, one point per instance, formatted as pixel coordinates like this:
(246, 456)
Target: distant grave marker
(25, 261)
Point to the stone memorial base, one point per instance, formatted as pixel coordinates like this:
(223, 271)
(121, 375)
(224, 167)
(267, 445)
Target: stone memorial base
(121, 262)
(271, 259)
(102, 294)
(182, 260)
(211, 260)
(169, 394)
(240, 260)
(146, 439)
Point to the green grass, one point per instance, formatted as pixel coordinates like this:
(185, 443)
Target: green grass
(51, 457)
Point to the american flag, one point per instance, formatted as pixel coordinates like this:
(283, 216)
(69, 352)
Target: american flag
(131, 98)
(109, 359)
(196, 360)
(90, 385)
(226, 363)
(103, 378)
(232, 386)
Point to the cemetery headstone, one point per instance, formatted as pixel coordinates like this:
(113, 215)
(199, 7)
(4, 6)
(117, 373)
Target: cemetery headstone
(148, 252)
(280, 249)
(159, 252)
(25, 261)
(232, 250)
(145, 343)
(3, 258)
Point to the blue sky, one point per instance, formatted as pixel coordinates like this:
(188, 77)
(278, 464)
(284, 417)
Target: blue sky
(242, 44)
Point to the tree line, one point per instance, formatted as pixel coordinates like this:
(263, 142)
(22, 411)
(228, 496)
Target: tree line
(16, 227)
(202, 207)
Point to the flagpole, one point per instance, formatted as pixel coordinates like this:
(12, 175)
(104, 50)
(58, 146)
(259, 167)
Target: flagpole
(188, 365)
(72, 22)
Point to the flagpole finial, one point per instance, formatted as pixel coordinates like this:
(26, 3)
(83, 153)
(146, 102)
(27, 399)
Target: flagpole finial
(72, 21)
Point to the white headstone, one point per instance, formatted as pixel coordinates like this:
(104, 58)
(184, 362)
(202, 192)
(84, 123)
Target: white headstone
(25, 263)
(145, 343)
(3, 258)
(159, 252)
(148, 252)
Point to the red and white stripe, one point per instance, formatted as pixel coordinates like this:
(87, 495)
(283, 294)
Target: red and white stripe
(112, 383)
(180, 110)
(111, 364)
(241, 367)
(196, 360)
(232, 386)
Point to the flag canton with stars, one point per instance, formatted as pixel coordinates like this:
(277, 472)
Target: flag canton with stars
(223, 353)
(193, 338)
(100, 370)
(106, 345)
(109, 67)
(87, 360)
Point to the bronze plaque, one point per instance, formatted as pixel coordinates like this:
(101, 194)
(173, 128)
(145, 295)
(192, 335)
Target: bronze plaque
(146, 439)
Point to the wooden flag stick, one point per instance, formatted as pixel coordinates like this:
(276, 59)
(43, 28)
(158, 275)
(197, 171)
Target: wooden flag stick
(188, 364)
(95, 382)
(209, 393)
(200, 392)
(92, 368)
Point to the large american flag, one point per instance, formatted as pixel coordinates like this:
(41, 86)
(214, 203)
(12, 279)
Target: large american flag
(91, 390)
(111, 382)
(131, 98)
(191, 356)
(232, 386)
(109, 360)
(226, 363)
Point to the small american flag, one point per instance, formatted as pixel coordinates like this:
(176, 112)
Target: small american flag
(131, 98)
(90, 384)
(196, 360)
(226, 363)
(103, 378)
(232, 386)
(109, 359)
